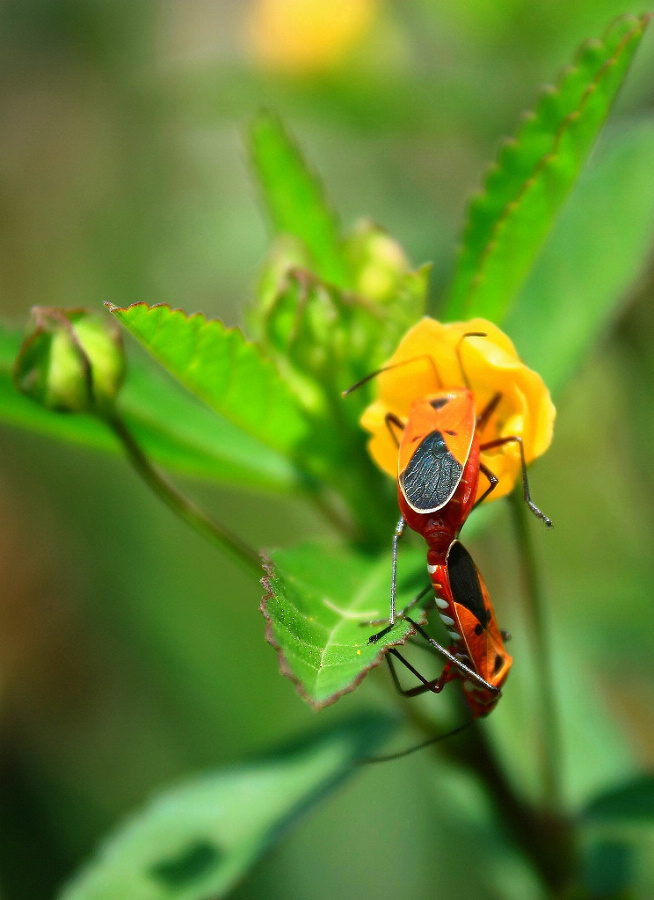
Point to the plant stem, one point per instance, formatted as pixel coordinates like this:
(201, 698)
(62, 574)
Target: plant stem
(535, 601)
(343, 523)
(545, 837)
(183, 507)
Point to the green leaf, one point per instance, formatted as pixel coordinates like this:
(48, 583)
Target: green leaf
(176, 431)
(380, 271)
(599, 247)
(294, 197)
(608, 868)
(525, 188)
(220, 367)
(196, 840)
(319, 604)
(630, 802)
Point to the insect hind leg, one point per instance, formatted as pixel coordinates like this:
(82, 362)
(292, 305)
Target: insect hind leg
(454, 661)
(436, 685)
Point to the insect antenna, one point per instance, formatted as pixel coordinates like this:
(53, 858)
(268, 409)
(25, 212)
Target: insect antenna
(460, 358)
(402, 753)
(404, 362)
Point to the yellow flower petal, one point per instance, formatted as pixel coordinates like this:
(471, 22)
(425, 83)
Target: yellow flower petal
(302, 37)
(434, 357)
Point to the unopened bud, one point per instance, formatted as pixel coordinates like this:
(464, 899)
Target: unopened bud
(71, 360)
(376, 261)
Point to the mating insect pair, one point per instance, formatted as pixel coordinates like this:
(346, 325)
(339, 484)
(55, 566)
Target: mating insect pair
(439, 468)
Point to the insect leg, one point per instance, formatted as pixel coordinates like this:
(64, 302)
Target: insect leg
(468, 334)
(493, 482)
(466, 670)
(402, 613)
(487, 411)
(392, 421)
(435, 686)
(525, 481)
(399, 531)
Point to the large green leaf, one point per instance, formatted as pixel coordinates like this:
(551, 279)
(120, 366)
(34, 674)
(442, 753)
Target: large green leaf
(196, 840)
(630, 802)
(220, 367)
(509, 219)
(319, 603)
(173, 428)
(598, 248)
(294, 197)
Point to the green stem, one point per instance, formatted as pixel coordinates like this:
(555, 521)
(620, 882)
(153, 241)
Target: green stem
(183, 507)
(546, 838)
(343, 523)
(535, 602)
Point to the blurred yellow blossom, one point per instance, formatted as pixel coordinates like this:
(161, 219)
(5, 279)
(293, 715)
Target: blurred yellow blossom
(491, 366)
(307, 36)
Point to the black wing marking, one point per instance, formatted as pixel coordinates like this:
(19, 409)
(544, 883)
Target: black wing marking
(432, 475)
(464, 582)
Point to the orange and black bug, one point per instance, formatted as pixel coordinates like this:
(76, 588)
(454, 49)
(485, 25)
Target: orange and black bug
(476, 655)
(439, 465)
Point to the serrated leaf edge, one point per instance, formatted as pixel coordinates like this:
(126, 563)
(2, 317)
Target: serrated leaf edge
(266, 581)
(312, 174)
(513, 204)
(226, 330)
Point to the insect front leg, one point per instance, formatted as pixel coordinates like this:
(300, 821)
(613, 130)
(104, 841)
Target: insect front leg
(392, 421)
(493, 482)
(399, 531)
(488, 410)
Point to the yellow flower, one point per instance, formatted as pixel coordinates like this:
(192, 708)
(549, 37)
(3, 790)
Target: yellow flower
(490, 366)
(307, 36)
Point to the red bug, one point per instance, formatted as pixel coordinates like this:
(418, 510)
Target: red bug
(439, 465)
(477, 655)
(438, 476)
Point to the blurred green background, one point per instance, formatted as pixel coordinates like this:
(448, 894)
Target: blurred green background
(131, 653)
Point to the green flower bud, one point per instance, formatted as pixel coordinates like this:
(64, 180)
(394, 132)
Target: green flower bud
(71, 360)
(286, 253)
(377, 263)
